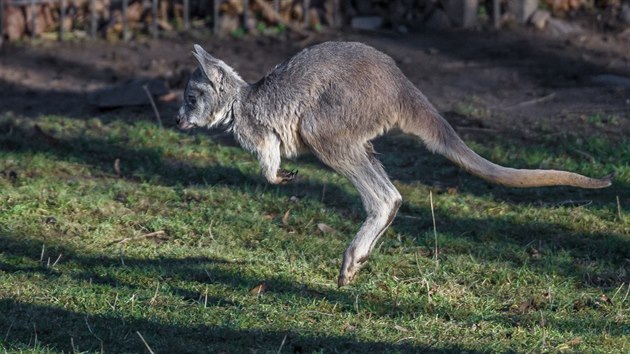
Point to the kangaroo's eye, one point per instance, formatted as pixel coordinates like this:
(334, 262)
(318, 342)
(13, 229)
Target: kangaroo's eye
(192, 99)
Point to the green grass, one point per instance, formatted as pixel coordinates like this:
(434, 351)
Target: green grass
(539, 270)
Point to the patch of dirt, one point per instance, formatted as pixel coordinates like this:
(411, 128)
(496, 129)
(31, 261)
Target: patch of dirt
(517, 82)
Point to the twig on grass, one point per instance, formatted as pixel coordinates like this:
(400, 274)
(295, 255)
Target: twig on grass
(619, 209)
(113, 306)
(435, 252)
(404, 339)
(156, 234)
(74, 349)
(428, 286)
(400, 215)
(56, 261)
(320, 313)
(157, 289)
(570, 202)
(590, 157)
(8, 330)
(617, 292)
(282, 344)
(210, 231)
(145, 342)
(35, 332)
(155, 110)
(133, 301)
(93, 334)
(542, 99)
(117, 167)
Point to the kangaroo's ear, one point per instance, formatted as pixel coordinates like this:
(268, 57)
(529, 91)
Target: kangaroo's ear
(209, 65)
(216, 70)
(201, 55)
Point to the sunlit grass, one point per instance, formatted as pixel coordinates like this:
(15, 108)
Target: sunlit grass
(237, 265)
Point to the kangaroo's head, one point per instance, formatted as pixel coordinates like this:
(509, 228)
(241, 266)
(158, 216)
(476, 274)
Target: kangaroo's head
(210, 93)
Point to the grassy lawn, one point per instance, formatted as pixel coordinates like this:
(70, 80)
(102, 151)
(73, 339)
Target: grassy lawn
(182, 245)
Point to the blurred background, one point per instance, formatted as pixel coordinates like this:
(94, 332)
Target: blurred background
(562, 59)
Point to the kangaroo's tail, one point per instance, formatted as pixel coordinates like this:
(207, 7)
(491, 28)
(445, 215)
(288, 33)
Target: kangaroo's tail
(440, 137)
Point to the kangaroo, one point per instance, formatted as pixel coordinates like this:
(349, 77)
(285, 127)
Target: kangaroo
(332, 99)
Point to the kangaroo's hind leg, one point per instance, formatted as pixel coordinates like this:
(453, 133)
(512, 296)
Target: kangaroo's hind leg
(379, 196)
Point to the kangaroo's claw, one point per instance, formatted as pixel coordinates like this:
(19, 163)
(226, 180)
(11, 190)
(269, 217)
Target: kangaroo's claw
(286, 175)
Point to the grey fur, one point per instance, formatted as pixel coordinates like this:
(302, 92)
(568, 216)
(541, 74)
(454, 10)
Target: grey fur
(332, 99)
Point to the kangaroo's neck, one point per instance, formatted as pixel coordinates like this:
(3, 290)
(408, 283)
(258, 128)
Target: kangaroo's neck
(233, 110)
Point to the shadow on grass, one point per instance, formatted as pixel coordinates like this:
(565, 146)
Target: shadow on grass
(23, 320)
(149, 164)
(610, 249)
(28, 326)
(404, 157)
(502, 239)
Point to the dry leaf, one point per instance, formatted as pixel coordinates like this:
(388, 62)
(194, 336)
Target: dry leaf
(285, 218)
(578, 305)
(169, 97)
(117, 167)
(259, 289)
(575, 341)
(534, 253)
(325, 229)
(400, 328)
(49, 139)
(383, 286)
(525, 306)
(347, 327)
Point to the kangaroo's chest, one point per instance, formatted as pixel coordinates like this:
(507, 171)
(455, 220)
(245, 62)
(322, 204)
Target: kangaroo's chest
(292, 144)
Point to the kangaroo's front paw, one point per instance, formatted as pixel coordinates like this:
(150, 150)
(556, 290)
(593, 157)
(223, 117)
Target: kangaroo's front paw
(286, 176)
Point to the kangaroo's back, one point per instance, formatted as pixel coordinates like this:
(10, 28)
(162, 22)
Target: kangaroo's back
(346, 87)
(344, 63)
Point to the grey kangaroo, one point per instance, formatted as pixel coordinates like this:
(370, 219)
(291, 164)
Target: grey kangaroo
(332, 99)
